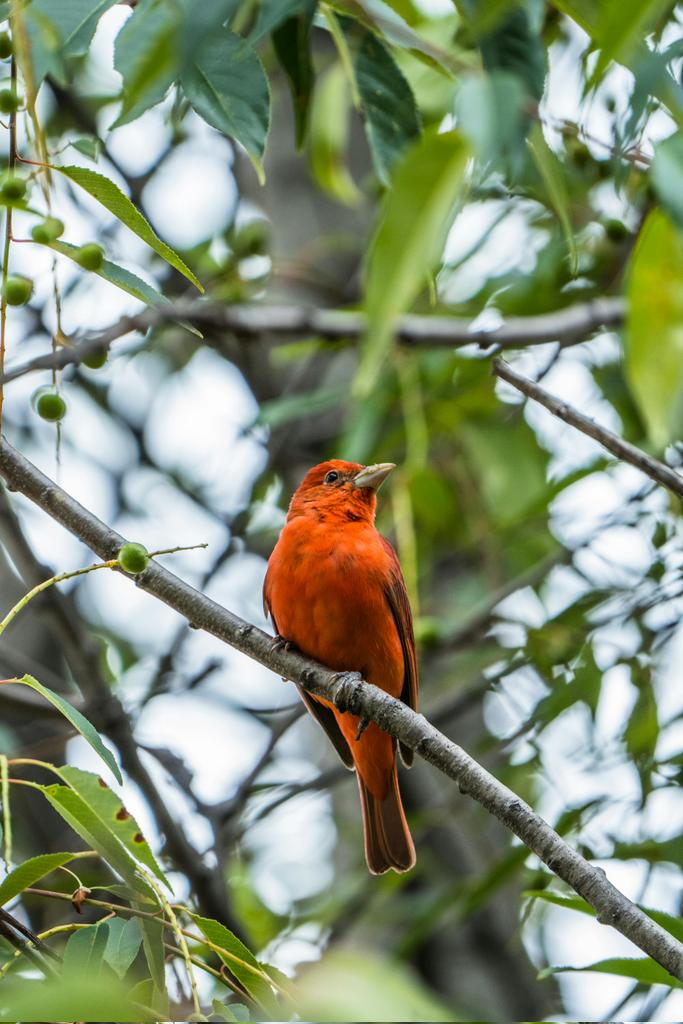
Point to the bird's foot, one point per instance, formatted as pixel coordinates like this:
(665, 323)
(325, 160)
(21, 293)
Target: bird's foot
(281, 644)
(362, 726)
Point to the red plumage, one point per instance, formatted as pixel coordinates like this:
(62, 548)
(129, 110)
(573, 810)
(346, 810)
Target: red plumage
(334, 588)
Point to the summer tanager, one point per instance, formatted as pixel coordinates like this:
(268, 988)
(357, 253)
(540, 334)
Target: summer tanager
(335, 590)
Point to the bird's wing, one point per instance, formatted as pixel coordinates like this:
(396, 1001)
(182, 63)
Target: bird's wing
(397, 598)
(322, 714)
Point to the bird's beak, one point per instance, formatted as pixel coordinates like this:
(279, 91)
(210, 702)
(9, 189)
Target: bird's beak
(373, 476)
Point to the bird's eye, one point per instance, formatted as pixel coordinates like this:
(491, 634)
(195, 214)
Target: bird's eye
(331, 476)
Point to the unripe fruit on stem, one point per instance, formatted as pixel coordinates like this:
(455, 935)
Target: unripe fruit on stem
(50, 406)
(47, 230)
(12, 188)
(9, 101)
(17, 290)
(6, 47)
(133, 558)
(96, 360)
(90, 257)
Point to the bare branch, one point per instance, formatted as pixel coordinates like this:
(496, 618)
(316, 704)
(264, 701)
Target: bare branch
(623, 450)
(281, 323)
(349, 692)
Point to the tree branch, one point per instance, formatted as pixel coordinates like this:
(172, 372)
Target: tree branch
(567, 326)
(614, 444)
(349, 692)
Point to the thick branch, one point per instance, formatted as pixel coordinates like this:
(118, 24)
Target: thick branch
(350, 693)
(567, 326)
(623, 450)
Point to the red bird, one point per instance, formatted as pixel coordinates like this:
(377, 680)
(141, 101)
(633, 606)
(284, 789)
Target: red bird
(334, 588)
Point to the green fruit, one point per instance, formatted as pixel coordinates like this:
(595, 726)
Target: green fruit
(6, 48)
(51, 406)
(9, 101)
(616, 230)
(96, 360)
(17, 290)
(133, 558)
(47, 230)
(90, 256)
(13, 187)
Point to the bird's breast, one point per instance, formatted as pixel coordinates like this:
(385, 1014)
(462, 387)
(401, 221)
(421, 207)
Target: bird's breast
(327, 592)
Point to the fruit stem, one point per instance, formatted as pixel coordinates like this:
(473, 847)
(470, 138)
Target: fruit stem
(12, 161)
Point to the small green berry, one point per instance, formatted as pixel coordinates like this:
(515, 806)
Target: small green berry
(13, 187)
(90, 257)
(17, 290)
(96, 360)
(50, 406)
(6, 47)
(133, 558)
(47, 230)
(9, 101)
(616, 230)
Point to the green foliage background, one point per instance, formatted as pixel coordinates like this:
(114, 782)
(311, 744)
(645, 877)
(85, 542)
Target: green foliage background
(389, 160)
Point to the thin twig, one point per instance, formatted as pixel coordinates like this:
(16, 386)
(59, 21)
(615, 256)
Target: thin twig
(567, 326)
(623, 450)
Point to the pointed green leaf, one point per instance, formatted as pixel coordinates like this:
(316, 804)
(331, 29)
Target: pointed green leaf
(155, 953)
(84, 952)
(58, 30)
(30, 872)
(79, 722)
(621, 27)
(227, 86)
(145, 57)
(329, 134)
(112, 198)
(127, 281)
(239, 960)
(641, 969)
(654, 335)
(390, 113)
(413, 225)
(123, 943)
(107, 805)
(292, 45)
(83, 820)
(273, 13)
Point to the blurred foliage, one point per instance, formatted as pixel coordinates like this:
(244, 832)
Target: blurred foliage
(482, 159)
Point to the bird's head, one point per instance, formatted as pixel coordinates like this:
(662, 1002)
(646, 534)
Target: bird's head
(340, 490)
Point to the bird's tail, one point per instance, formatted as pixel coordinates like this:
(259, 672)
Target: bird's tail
(388, 843)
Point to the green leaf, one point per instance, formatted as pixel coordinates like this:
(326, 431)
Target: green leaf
(153, 935)
(88, 145)
(654, 334)
(127, 281)
(84, 820)
(238, 959)
(107, 805)
(552, 173)
(491, 115)
(75, 998)
(145, 57)
(414, 221)
(620, 29)
(390, 114)
(123, 943)
(78, 721)
(58, 30)
(513, 46)
(227, 86)
(673, 925)
(273, 13)
(667, 175)
(655, 851)
(84, 952)
(290, 408)
(641, 969)
(112, 198)
(329, 134)
(292, 44)
(29, 872)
